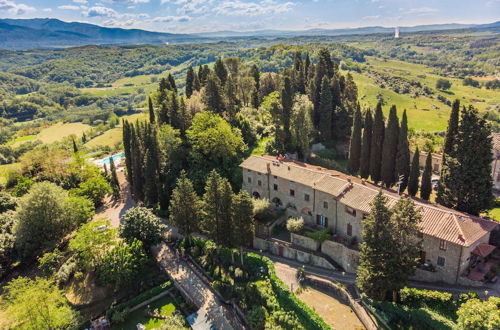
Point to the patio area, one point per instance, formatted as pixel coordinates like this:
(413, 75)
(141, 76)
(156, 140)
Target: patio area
(484, 263)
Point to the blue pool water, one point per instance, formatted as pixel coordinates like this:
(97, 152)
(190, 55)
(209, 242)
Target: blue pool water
(116, 159)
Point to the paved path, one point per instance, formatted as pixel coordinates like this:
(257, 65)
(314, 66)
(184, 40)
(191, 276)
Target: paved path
(196, 288)
(112, 209)
(350, 279)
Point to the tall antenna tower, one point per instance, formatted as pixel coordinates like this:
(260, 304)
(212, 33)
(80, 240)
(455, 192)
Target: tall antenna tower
(396, 32)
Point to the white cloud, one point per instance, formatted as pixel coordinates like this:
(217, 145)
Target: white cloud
(69, 7)
(169, 19)
(14, 8)
(83, 2)
(100, 11)
(126, 1)
(421, 11)
(47, 10)
(240, 8)
(192, 6)
(371, 17)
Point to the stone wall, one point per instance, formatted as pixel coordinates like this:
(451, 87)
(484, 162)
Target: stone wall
(288, 252)
(305, 242)
(344, 256)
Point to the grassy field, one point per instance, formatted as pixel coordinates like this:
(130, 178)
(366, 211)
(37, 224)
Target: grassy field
(423, 112)
(113, 136)
(53, 133)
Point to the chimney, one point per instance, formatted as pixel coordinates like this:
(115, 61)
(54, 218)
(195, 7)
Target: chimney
(289, 167)
(363, 182)
(349, 179)
(461, 237)
(268, 168)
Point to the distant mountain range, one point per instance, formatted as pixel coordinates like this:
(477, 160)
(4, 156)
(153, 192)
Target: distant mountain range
(20, 34)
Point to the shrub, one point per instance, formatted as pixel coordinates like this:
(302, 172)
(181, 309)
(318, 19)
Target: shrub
(443, 84)
(436, 300)
(50, 262)
(477, 314)
(7, 202)
(320, 236)
(140, 223)
(66, 271)
(295, 225)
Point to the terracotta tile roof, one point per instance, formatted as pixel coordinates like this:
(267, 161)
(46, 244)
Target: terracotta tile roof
(437, 221)
(483, 249)
(495, 140)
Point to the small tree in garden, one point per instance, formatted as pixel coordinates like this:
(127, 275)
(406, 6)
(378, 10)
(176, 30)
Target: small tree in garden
(141, 224)
(479, 315)
(295, 225)
(115, 184)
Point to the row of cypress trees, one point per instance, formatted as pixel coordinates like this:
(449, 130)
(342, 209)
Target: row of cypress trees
(381, 152)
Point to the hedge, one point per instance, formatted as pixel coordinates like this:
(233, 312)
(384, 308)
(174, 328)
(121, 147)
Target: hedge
(439, 301)
(289, 301)
(138, 299)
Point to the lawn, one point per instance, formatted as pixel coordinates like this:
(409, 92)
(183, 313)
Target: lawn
(59, 131)
(113, 136)
(165, 306)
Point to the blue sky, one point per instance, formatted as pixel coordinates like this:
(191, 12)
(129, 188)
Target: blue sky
(243, 15)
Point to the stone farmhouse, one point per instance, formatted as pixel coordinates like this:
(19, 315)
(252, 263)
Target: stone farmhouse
(324, 198)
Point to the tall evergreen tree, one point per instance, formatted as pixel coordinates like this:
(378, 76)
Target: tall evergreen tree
(196, 83)
(220, 71)
(466, 174)
(414, 174)
(242, 221)
(376, 144)
(390, 149)
(137, 161)
(446, 181)
(406, 244)
(171, 82)
(403, 154)
(217, 208)
(375, 253)
(75, 147)
(286, 105)
(128, 151)
(189, 81)
(151, 111)
(426, 184)
(355, 144)
(115, 184)
(364, 168)
(255, 73)
(213, 96)
(185, 206)
(325, 111)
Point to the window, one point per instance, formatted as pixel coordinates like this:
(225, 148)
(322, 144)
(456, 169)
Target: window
(259, 182)
(441, 261)
(275, 186)
(275, 177)
(325, 205)
(249, 171)
(350, 210)
(442, 245)
(249, 180)
(321, 220)
(292, 192)
(306, 197)
(349, 229)
(436, 167)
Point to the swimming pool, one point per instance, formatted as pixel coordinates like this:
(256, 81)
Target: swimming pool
(117, 158)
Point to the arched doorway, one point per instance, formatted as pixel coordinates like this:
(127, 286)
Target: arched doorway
(277, 201)
(256, 194)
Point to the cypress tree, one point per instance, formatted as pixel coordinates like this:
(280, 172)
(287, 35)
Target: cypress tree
(446, 181)
(426, 184)
(196, 83)
(286, 105)
(325, 111)
(128, 151)
(84, 138)
(364, 168)
(171, 82)
(105, 170)
(115, 184)
(403, 155)
(467, 171)
(242, 221)
(151, 111)
(189, 81)
(389, 149)
(323, 68)
(75, 147)
(376, 144)
(414, 174)
(255, 73)
(355, 144)
(137, 161)
(220, 71)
